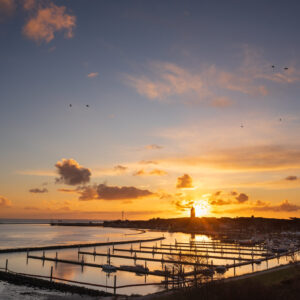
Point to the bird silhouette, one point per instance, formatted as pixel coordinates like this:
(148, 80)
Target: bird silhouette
(70, 105)
(280, 119)
(286, 68)
(87, 105)
(242, 126)
(273, 67)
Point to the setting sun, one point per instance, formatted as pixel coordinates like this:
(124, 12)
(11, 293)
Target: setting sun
(202, 208)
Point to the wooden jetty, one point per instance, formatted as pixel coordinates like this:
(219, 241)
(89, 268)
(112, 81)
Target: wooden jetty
(181, 254)
(203, 251)
(161, 260)
(82, 263)
(191, 246)
(79, 245)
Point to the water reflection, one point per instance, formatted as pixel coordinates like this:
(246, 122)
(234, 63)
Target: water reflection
(18, 261)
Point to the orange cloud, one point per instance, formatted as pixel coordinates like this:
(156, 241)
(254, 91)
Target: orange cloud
(185, 181)
(92, 74)
(43, 25)
(4, 202)
(29, 4)
(153, 147)
(154, 172)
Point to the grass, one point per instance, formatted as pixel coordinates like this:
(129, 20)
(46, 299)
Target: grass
(278, 285)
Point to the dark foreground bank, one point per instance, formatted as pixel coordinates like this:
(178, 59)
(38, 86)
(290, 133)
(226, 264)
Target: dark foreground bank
(44, 284)
(282, 284)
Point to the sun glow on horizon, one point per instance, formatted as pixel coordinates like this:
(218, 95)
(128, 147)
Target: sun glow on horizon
(202, 207)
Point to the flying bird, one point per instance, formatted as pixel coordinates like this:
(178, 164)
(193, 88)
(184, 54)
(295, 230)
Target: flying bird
(273, 67)
(70, 105)
(87, 105)
(286, 68)
(242, 126)
(280, 119)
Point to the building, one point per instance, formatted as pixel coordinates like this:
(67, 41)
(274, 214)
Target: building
(193, 215)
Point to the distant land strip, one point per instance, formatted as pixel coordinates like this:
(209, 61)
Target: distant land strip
(25, 249)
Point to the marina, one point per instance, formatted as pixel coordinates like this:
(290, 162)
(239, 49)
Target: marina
(145, 263)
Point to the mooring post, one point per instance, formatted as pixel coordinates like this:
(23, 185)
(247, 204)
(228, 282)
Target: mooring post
(140, 245)
(173, 276)
(234, 267)
(51, 273)
(115, 284)
(108, 256)
(43, 254)
(56, 256)
(195, 276)
(6, 266)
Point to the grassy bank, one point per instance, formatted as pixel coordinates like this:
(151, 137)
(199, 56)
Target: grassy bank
(281, 284)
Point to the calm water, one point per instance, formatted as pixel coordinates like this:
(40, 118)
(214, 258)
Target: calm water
(23, 235)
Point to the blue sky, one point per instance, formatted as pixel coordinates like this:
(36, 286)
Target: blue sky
(191, 77)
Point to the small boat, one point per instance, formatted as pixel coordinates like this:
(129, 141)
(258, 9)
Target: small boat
(109, 268)
(257, 261)
(208, 272)
(136, 268)
(220, 269)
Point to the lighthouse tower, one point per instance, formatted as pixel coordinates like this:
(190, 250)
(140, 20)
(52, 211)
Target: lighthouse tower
(193, 215)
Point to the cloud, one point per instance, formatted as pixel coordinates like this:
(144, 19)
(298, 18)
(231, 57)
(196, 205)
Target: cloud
(92, 74)
(284, 206)
(4, 202)
(261, 206)
(38, 191)
(71, 172)
(250, 158)
(185, 181)
(153, 147)
(221, 102)
(31, 208)
(115, 193)
(29, 4)
(148, 162)
(105, 192)
(7, 9)
(220, 198)
(120, 168)
(88, 193)
(46, 21)
(241, 198)
(154, 172)
(291, 178)
(210, 84)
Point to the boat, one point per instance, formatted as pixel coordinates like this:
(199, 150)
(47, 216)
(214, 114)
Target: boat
(220, 269)
(137, 268)
(208, 272)
(109, 268)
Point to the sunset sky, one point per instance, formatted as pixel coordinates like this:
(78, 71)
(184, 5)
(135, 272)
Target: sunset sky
(149, 107)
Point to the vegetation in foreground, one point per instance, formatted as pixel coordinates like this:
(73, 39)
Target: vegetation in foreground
(282, 284)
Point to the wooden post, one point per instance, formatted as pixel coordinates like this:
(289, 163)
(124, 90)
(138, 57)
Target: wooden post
(6, 266)
(51, 273)
(115, 284)
(173, 277)
(234, 267)
(56, 256)
(195, 276)
(43, 254)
